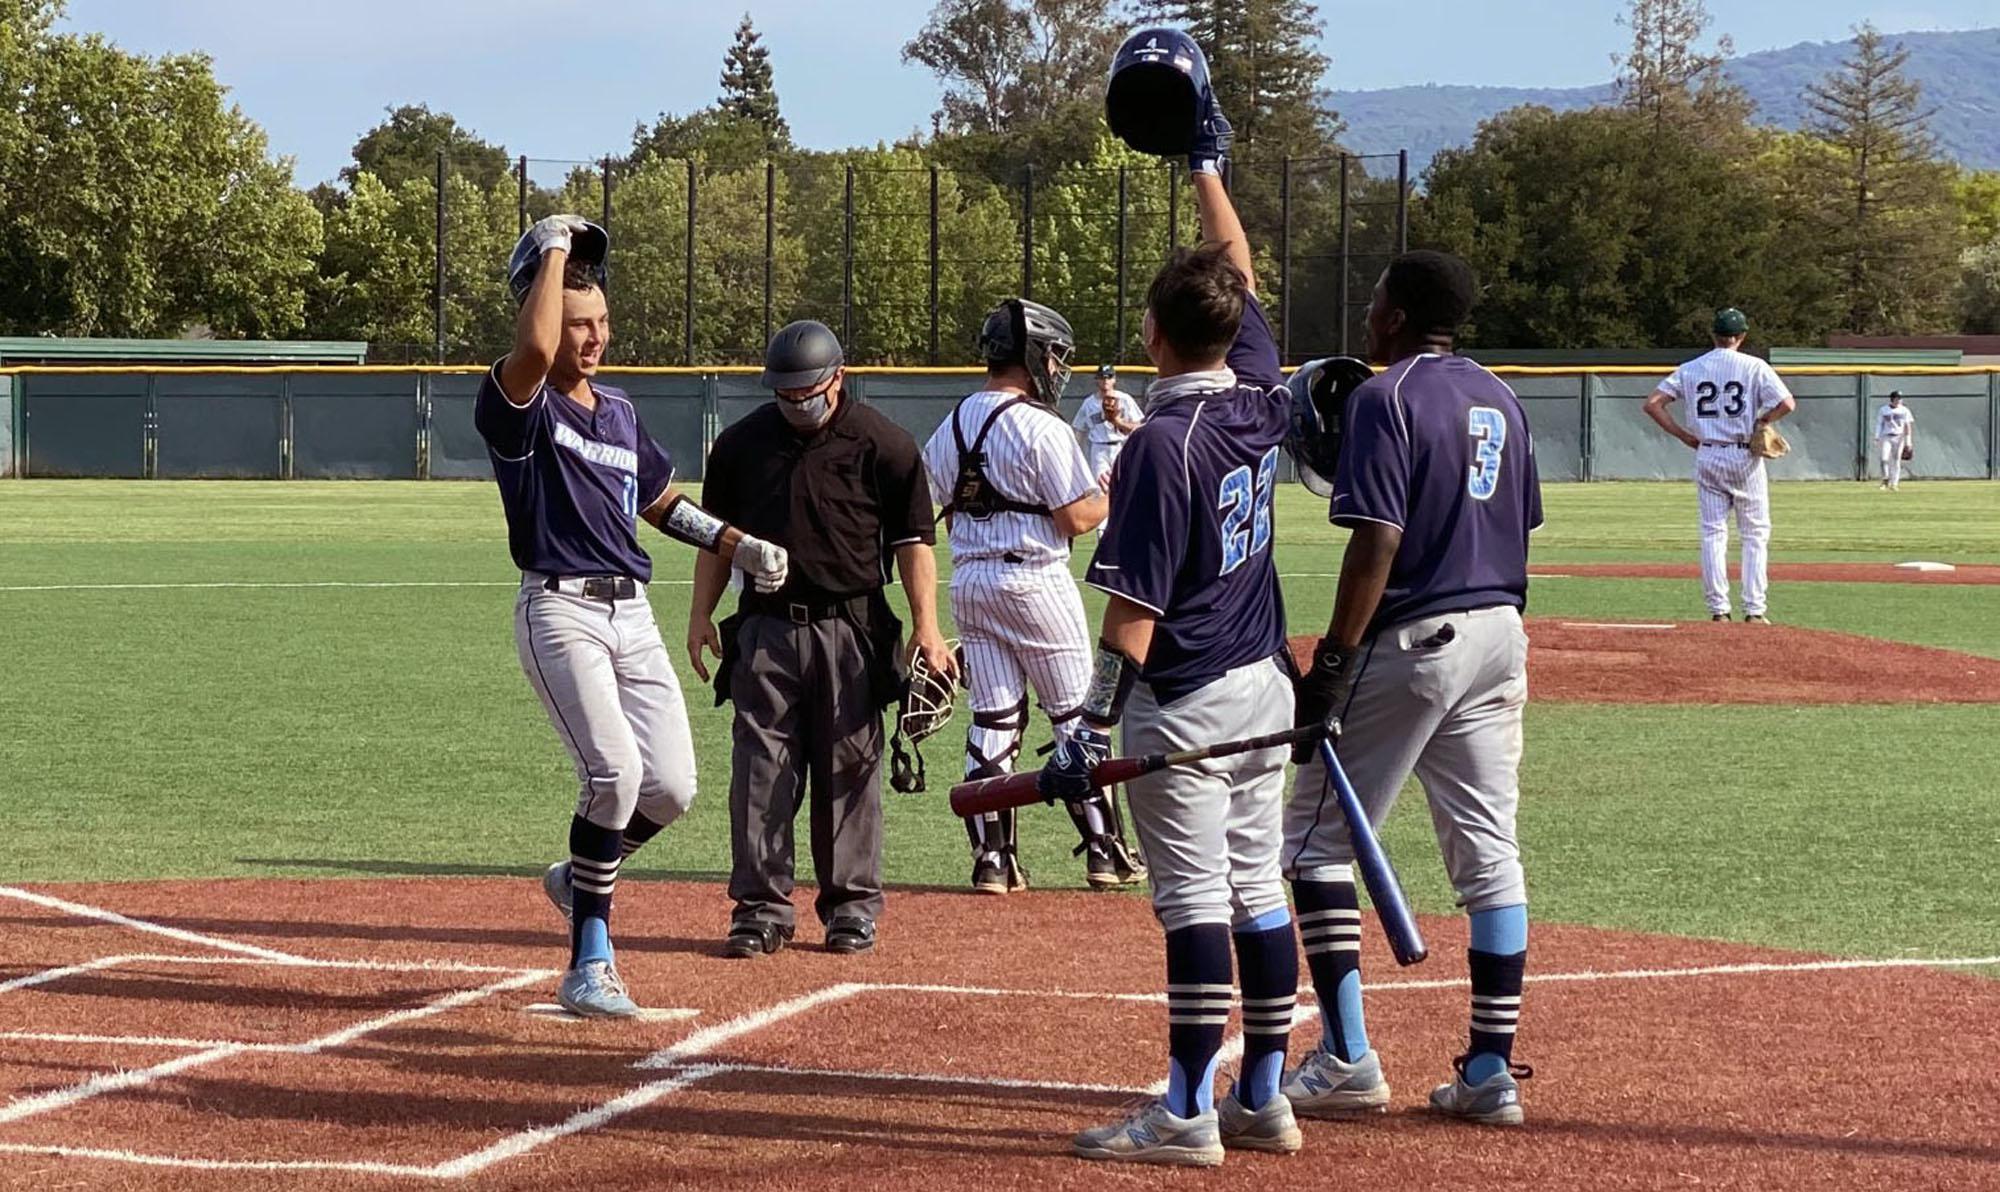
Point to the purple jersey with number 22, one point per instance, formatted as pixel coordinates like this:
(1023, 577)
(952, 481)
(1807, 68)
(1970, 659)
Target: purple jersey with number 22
(1189, 537)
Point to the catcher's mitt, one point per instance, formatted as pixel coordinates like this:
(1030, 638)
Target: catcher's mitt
(1909, 452)
(927, 704)
(1767, 443)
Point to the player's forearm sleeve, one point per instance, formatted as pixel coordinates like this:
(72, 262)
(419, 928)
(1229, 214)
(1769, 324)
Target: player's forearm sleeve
(688, 522)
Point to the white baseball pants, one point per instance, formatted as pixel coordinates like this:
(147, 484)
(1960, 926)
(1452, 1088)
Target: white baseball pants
(1891, 452)
(1730, 479)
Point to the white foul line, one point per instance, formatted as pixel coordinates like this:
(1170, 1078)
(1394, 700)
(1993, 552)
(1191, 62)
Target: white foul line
(196, 1164)
(1614, 625)
(187, 937)
(57, 974)
(942, 1078)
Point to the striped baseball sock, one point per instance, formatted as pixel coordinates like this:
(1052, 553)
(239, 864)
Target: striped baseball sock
(593, 859)
(636, 834)
(1498, 960)
(1330, 928)
(1267, 966)
(1198, 996)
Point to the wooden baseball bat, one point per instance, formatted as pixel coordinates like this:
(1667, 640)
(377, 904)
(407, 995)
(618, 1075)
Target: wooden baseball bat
(981, 795)
(1398, 924)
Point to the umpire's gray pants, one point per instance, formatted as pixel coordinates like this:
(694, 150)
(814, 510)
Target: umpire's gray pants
(805, 719)
(604, 679)
(1212, 831)
(1452, 713)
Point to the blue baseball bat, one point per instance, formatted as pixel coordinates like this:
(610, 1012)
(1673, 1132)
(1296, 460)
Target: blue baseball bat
(1376, 873)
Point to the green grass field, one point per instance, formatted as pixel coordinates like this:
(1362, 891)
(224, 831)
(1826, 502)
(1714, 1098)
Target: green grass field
(181, 730)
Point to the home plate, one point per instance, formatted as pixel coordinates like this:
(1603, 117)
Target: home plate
(663, 1014)
(1644, 625)
(1922, 565)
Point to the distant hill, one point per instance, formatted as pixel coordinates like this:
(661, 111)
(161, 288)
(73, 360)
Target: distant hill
(1960, 73)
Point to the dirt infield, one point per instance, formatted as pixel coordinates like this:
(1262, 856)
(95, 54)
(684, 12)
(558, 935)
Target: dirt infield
(1791, 573)
(1704, 662)
(239, 1034)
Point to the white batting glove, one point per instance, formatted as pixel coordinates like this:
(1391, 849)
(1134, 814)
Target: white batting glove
(765, 563)
(555, 232)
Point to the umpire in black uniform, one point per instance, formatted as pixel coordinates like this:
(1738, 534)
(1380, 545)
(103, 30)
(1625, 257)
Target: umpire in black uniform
(812, 665)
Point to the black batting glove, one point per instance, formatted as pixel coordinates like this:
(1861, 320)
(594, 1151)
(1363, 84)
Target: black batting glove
(1320, 696)
(1067, 774)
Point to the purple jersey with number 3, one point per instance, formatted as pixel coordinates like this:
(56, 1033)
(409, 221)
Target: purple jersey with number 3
(1189, 536)
(1439, 448)
(572, 481)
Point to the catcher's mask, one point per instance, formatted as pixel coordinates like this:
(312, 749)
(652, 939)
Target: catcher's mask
(929, 699)
(589, 248)
(1319, 404)
(1034, 336)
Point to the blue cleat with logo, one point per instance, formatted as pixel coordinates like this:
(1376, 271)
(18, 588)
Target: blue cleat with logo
(1324, 1087)
(1152, 1134)
(593, 990)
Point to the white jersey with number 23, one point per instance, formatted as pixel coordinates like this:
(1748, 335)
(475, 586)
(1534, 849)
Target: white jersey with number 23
(1725, 391)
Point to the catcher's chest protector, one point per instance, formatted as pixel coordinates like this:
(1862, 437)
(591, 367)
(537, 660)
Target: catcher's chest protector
(973, 494)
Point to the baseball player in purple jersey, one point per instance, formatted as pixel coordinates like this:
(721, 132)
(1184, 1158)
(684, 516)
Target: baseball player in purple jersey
(576, 471)
(1190, 654)
(1019, 491)
(1424, 668)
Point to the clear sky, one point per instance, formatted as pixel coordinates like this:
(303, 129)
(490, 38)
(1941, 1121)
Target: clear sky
(568, 79)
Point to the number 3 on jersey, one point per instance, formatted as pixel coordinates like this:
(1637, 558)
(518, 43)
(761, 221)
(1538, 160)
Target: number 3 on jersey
(1488, 428)
(1247, 499)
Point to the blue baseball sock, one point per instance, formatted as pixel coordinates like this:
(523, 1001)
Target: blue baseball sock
(1498, 960)
(1267, 964)
(1330, 928)
(593, 857)
(1198, 996)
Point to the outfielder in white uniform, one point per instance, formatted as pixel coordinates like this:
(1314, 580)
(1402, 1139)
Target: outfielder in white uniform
(1895, 433)
(1729, 394)
(1019, 491)
(1105, 423)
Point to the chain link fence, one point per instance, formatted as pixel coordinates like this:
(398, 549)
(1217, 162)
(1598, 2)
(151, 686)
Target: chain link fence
(902, 260)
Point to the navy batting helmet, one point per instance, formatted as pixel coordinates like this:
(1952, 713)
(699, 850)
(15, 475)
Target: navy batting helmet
(1319, 404)
(802, 355)
(1158, 89)
(589, 246)
(1031, 335)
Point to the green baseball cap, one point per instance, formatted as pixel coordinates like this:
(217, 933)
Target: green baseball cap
(1730, 321)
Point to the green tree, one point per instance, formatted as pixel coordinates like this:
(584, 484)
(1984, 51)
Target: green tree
(406, 146)
(711, 135)
(1672, 81)
(1979, 290)
(1885, 206)
(154, 207)
(1077, 250)
(1978, 195)
(747, 89)
(1266, 68)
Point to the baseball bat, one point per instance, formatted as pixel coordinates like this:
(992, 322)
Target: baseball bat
(981, 795)
(1398, 924)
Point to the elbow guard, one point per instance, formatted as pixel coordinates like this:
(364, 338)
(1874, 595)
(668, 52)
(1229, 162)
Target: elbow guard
(690, 523)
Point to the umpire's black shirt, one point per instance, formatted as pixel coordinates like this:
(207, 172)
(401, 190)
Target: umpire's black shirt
(839, 499)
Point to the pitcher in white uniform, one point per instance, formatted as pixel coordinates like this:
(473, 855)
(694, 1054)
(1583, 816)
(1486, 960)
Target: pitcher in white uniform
(1730, 394)
(1895, 433)
(1019, 491)
(1106, 422)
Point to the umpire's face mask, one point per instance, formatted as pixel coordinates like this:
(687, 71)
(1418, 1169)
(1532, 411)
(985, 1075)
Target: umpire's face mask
(809, 412)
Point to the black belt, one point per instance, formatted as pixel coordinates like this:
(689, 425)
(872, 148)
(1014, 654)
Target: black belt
(596, 587)
(798, 612)
(1725, 443)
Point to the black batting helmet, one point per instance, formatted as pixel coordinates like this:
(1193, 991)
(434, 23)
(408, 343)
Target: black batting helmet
(1031, 335)
(802, 355)
(590, 247)
(1158, 88)
(1319, 404)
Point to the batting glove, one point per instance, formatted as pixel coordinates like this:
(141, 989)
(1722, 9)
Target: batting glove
(1212, 138)
(555, 232)
(764, 563)
(1067, 776)
(1320, 695)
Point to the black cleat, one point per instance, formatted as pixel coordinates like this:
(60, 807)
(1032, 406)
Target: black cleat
(753, 939)
(989, 874)
(1107, 865)
(847, 935)
(1719, 617)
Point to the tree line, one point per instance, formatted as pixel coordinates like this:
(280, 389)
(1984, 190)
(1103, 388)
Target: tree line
(135, 200)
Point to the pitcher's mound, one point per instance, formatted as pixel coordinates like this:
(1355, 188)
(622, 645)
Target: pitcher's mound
(1705, 662)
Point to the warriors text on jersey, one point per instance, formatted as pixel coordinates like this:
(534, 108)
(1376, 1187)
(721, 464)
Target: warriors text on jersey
(572, 480)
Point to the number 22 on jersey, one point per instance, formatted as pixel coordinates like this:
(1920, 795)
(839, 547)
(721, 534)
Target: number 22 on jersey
(1245, 506)
(1488, 428)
